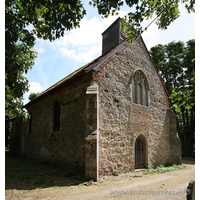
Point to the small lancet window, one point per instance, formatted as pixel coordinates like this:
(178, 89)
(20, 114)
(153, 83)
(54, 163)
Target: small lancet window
(56, 117)
(30, 124)
(139, 88)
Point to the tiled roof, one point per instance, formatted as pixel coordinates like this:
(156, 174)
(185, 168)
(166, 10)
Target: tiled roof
(85, 69)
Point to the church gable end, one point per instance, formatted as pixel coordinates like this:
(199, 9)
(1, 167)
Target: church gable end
(132, 101)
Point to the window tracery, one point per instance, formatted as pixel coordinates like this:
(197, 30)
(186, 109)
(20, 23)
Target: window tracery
(139, 88)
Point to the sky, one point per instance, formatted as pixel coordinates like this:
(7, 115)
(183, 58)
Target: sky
(57, 59)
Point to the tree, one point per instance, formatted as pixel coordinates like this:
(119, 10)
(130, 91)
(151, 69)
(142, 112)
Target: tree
(48, 19)
(165, 11)
(24, 21)
(175, 63)
(33, 95)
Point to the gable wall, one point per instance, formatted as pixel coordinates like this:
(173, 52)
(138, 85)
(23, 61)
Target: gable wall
(121, 121)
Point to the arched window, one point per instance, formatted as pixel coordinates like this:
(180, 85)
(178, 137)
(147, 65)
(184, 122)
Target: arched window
(56, 116)
(139, 88)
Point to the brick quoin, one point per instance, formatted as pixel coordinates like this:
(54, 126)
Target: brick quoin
(98, 75)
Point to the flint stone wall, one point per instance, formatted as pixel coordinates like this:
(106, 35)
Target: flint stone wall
(121, 121)
(65, 147)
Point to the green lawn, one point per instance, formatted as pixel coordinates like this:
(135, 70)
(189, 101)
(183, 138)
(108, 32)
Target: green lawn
(24, 174)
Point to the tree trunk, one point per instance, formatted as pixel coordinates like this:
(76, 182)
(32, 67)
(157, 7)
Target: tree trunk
(187, 118)
(184, 132)
(192, 126)
(180, 135)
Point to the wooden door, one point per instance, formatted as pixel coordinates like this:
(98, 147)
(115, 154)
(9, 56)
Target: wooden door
(139, 153)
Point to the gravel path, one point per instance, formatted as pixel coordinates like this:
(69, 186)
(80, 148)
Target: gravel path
(170, 185)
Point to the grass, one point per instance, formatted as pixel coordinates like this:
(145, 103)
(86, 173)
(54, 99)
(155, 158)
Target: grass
(137, 175)
(188, 158)
(28, 175)
(163, 169)
(88, 183)
(7, 148)
(25, 174)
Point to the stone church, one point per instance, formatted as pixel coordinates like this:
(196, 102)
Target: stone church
(110, 116)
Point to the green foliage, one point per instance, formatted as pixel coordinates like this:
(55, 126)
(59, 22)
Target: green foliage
(24, 21)
(137, 175)
(184, 96)
(33, 95)
(163, 169)
(176, 66)
(7, 148)
(27, 19)
(166, 11)
(88, 183)
(32, 173)
(149, 172)
(26, 191)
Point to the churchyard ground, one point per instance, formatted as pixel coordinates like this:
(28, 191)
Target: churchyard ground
(30, 180)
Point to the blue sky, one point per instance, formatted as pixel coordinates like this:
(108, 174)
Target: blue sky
(57, 59)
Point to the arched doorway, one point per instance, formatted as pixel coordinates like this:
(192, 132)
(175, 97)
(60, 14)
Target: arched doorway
(140, 152)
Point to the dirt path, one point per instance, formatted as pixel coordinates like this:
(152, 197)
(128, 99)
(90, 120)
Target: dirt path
(170, 185)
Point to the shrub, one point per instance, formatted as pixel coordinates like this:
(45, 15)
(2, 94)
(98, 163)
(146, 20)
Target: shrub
(88, 183)
(163, 169)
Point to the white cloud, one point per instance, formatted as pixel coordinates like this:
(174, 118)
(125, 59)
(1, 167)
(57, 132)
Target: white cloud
(34, 87)
(87, 34)
(84, 44)
(152, 35)
(39, 47)
(79, 55)
(71, 53)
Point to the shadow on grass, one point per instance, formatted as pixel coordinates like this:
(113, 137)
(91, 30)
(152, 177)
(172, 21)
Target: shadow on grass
(186, 160)
(28, 174)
